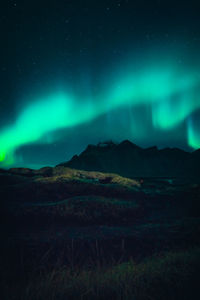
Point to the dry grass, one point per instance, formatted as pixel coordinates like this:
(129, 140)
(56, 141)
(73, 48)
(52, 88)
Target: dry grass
(64, 173)
(170, 276)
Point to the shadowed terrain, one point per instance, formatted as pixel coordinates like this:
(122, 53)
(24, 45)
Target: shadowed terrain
(65, 226)
(130, 160)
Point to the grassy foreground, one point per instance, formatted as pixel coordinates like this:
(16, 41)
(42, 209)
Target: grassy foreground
(70, 234)
(172, 275)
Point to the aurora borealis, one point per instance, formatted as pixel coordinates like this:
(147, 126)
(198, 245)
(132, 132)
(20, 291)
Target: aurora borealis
(68, 83)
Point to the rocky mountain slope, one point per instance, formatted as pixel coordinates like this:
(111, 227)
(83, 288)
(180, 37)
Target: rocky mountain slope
(127, 159)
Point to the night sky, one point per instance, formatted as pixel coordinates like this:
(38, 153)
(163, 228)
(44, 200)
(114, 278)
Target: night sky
(75, 73)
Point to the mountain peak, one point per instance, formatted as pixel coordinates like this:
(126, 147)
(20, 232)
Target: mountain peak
(130, 160)
(106, 144)
(127, 143)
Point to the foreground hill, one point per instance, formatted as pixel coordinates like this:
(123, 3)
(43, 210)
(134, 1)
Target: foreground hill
(67, 196)
(129, 160)
(75, 234)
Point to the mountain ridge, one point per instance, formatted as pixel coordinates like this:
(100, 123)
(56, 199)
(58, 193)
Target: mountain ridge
(128, 159)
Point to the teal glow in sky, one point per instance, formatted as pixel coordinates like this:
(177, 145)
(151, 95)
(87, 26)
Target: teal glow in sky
(193, 134)
(83, 72)
(171, 93)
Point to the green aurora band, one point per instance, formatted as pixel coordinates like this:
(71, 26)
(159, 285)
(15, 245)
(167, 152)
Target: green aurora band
(172, 94)
(193, 134)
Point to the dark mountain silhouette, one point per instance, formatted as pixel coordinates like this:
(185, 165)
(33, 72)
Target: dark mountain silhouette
(130, 160)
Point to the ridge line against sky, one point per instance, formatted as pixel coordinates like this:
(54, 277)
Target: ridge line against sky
(78, 72)
(171, 94)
